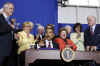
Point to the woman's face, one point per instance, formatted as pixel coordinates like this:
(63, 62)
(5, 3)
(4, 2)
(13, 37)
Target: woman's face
(63, 34)
(77, 29)
(27, 28)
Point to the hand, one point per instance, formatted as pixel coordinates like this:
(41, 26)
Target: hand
(88, 48)
(68, 46)
(41, 43)
(37, 36)
(93, 48)
(13, 26)
(16, 36)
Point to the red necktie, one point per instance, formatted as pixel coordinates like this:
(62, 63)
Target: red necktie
(49, 46)
(91, 31)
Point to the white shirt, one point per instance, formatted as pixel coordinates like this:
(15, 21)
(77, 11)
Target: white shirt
(5, 16)
(93, 28)
(47, 43)
(41, 37)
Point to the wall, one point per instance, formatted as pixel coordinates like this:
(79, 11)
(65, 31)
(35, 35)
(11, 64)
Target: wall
(73, 14)
(39, 11)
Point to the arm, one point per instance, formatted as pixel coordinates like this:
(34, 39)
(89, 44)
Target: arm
(74, 47)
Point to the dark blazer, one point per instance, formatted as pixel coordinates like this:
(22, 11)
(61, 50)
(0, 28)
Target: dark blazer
(92, 40)
(5, 37)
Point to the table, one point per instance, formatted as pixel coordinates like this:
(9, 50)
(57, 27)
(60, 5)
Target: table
(32, 55)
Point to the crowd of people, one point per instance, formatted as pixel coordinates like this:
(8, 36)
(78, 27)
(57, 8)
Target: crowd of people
(16, 42)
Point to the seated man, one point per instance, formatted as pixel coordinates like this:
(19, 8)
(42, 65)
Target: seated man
(47, 42)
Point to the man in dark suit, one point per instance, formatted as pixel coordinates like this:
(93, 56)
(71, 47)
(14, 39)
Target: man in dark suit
(48, 41)
(5, 32)
(92, 35)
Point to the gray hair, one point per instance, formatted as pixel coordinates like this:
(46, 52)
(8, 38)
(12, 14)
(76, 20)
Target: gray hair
(6, 5)
(68, 26)
(91, 17)
(40, 27)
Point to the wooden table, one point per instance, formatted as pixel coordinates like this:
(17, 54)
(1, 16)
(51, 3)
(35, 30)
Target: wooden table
(32, 55)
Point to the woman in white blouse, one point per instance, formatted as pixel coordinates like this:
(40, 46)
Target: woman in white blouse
(78, 37)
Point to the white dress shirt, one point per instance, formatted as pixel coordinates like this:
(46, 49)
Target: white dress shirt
(47, 43)
(93, 28)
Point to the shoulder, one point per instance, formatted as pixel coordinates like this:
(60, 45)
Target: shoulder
(57, 39)
(98, 26)
(21, 33)
(73, 34)
(1, 15)
(32, 35)
(82, 33)
(86, 30)
(69, 40)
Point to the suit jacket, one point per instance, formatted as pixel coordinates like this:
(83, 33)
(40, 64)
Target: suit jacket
(62, 43)
(92, 40)
(5, 37)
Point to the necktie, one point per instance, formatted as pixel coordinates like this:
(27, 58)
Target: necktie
(91, 31)
(8, 21)
(49, 46)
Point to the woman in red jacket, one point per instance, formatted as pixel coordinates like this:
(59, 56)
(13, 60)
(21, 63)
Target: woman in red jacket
(63, 42)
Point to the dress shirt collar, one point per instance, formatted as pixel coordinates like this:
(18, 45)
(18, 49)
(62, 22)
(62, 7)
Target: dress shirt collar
(5, 16)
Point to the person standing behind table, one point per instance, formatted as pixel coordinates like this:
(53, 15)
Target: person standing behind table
(25, 41)
(63, 41)
(92, 35)
(78, 37)
(5, 32)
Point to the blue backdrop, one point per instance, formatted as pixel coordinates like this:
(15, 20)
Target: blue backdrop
(39, 11)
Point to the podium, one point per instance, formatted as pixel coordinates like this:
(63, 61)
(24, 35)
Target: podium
(32, 55)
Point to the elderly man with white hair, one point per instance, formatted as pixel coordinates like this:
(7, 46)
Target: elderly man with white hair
(5, 32)
(40, 34)
(69, 30)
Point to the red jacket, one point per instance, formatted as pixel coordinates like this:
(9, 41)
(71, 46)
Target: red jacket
(62, 44)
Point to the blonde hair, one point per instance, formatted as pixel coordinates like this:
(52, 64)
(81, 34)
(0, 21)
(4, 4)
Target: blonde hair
(28, 23)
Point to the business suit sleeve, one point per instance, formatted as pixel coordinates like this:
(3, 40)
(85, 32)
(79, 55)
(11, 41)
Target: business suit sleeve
(4, 27)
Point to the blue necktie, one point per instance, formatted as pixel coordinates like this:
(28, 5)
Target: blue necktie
(8, 21)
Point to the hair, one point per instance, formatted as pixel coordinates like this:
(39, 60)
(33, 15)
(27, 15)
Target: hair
(92, 17)
(50, 26)
(28, 23)
(6, 5)
(76, 25)
(40, 26)
(68, 26)
(50, 29)
(62, 29)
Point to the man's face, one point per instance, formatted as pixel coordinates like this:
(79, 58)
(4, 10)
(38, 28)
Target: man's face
(91, 21)
(41, 31)
(50, 33)
(9, 10)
